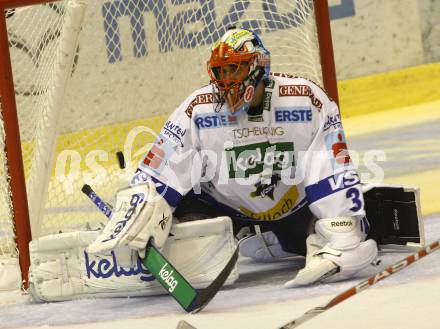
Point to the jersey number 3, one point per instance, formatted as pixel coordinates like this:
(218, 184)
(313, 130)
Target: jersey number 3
(354, 194)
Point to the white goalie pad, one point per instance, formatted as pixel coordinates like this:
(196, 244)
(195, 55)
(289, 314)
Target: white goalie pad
(61, 269)
(10, 274)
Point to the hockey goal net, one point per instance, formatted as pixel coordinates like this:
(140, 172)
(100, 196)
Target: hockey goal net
(92, 78)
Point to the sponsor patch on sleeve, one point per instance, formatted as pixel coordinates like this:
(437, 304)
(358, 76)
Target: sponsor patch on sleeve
(161, 151)
(174, 132)
(337, 149)
(332, 121)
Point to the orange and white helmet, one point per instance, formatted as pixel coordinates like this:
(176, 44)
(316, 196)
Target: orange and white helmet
(238, 63)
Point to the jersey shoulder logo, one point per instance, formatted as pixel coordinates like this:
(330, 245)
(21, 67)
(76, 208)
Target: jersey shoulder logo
(207, 98)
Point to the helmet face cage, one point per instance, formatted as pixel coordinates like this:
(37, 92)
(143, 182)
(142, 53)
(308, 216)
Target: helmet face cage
(235, 64)
(231, 76)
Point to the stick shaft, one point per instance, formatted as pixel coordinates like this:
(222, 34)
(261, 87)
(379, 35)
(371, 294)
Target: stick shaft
(105, 208)
(385, 273)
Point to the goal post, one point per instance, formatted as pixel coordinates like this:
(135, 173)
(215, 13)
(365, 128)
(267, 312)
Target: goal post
(22, 204)
(326, 55)
(13, 180)
(81, 80)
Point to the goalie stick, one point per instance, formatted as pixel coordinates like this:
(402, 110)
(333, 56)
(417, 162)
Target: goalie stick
(191, 299)
(403, 263)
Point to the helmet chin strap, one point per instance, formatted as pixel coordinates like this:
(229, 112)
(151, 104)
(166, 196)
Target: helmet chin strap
(246, 99)
(242, 109)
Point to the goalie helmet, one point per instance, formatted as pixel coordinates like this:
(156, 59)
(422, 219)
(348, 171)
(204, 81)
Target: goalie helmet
(238, 63)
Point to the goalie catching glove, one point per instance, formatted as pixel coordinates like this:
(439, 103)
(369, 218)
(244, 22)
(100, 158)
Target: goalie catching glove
(140, 214)
(335, 252)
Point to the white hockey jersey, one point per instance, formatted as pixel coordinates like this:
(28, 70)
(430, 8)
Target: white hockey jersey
(266, 164)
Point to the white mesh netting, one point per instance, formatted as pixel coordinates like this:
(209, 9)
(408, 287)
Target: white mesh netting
(134, 62)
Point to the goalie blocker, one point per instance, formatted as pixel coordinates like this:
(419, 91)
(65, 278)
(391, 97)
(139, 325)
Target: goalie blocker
(394, 214)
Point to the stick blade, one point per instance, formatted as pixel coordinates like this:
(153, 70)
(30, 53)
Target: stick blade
(86, 189)
(205, 295)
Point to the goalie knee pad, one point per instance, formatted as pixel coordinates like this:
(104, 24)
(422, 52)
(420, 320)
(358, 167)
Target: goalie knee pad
(10, 274)
(265, 247)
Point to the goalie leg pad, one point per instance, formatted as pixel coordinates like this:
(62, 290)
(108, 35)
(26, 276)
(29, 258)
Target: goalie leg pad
(62, 269)
(10, 274)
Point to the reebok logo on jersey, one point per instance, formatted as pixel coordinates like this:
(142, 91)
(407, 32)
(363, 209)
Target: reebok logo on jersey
(293, 114)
